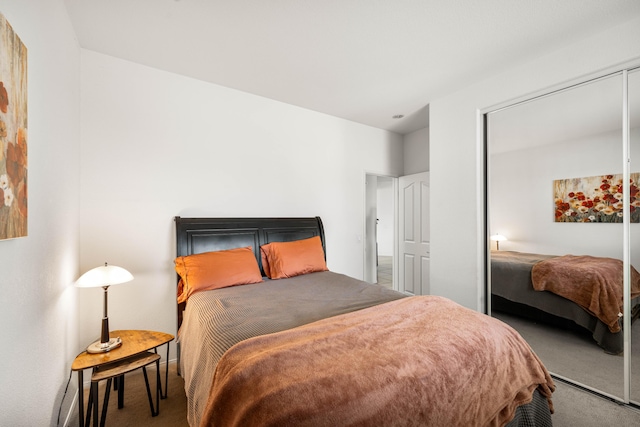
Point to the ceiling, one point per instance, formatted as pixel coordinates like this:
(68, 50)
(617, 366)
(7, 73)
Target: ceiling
(361, 60)
(590, 109)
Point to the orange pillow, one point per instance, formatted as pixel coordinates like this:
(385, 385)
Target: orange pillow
(288, 259)
(214, 270)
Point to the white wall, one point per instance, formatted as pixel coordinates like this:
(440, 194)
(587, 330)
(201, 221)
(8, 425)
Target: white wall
(416, 151)
(457, 244)
(39, 316)
(156, 145)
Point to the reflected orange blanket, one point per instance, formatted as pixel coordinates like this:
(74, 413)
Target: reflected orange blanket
(594, 283)
(420, 360)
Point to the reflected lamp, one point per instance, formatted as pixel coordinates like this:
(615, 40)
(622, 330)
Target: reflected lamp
(104, 276)
(498, 238)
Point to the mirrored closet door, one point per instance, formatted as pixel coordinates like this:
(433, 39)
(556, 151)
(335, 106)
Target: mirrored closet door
(556, 230)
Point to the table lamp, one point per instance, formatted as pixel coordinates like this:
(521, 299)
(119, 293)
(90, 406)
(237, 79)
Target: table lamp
(104, 277)
(498, 238)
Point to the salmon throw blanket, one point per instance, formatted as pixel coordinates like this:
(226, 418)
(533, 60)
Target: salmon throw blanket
(594, 283)
(420, 360)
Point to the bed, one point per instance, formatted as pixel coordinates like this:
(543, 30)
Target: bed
(516, 275)
(320, 348)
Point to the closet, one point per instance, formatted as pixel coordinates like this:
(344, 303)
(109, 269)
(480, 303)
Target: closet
(562, 175)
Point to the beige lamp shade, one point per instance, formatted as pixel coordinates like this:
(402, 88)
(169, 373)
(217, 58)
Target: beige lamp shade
(105, 275)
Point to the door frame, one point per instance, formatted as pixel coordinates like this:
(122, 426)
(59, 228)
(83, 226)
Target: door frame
(394, 184)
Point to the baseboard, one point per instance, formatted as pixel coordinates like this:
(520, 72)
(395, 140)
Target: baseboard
(72, 409)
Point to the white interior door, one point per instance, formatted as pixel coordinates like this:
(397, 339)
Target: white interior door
(414, 237)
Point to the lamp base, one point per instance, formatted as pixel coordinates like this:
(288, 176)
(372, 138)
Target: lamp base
(103, 347)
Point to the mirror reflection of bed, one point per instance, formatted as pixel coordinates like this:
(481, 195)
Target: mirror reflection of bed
(556, 326)
(580, 293)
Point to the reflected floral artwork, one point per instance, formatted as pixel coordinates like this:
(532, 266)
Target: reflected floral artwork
(13, 133)
(595, 199)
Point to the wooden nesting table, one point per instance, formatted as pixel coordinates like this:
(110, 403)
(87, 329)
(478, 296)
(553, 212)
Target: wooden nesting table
(138, 350)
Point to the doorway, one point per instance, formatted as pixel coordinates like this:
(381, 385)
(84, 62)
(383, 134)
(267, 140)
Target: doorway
(380, 223)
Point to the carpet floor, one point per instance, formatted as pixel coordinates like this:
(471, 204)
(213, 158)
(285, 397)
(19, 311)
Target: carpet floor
(136, 411)
(577, 357)
(573, 407)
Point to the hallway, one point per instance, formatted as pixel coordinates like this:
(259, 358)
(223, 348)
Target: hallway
(385, 271)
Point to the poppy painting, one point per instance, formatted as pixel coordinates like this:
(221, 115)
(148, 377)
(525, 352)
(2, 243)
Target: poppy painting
(595, 199)
(13, 133)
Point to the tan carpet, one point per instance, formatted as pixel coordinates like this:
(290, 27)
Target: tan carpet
(136, 411)
(573, 407)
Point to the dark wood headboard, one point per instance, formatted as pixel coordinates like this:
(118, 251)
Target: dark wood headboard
(197, 235)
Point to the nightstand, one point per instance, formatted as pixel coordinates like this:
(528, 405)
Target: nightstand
(138, 350)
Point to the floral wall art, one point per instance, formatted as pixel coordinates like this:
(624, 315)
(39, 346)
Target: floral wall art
(13, 133)
(595, 199)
